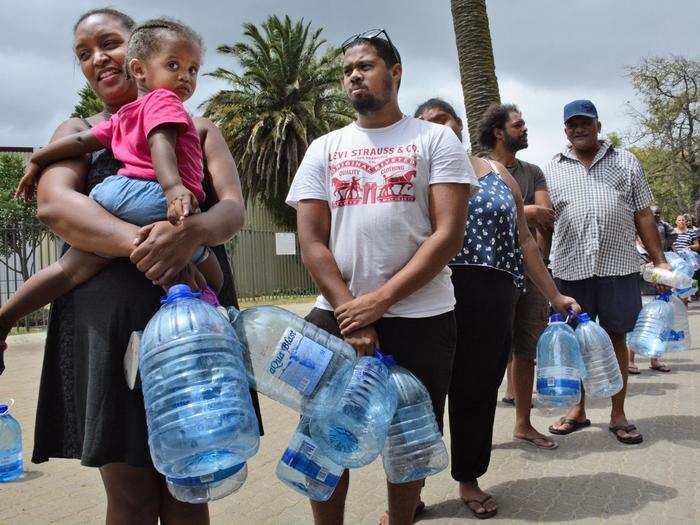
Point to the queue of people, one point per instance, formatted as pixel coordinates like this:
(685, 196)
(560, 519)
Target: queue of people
(439, 259)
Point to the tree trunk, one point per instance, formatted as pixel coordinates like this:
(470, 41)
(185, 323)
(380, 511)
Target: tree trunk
(476, 65)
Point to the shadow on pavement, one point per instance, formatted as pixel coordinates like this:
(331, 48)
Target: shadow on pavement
(562, 498)
(681, 430)
(27, 475)
(635, 388)
(675, 366)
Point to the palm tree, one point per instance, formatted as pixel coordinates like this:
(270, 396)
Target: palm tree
(476, 65)
(287, 95)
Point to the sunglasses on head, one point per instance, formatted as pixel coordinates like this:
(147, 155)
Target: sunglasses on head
(371, 34)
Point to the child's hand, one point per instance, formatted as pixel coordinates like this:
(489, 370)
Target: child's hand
(181, 203)
(27, 185)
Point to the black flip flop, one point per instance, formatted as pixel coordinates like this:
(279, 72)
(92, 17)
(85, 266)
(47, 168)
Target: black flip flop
(481, 515)
(626, 440)
(420, 510)
(575, 425)
(508, 401)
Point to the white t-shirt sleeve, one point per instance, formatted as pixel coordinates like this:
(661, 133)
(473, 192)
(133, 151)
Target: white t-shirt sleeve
(449, 162)
(310, 179)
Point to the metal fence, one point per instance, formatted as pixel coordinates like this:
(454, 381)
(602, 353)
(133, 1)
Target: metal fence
(259, 272)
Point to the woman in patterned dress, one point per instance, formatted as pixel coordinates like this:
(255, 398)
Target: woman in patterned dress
(498, 248)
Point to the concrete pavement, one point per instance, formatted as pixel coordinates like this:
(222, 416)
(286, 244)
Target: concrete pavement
(590, 477)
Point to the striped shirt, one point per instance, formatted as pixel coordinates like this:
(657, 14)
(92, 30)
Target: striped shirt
(684, 240)
(594, 230)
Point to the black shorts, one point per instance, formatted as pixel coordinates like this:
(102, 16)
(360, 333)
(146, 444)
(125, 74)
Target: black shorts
(423, 345)
(615, 300)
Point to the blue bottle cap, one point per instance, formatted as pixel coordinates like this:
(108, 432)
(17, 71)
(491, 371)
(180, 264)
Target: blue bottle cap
(4, 409)
(387, 359)
(583, 317)
(179, 291)
(665, 296)
(556, 318)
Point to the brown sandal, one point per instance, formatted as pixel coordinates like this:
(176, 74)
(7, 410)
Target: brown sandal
(481, 515)
(575, 425)
(626, 440)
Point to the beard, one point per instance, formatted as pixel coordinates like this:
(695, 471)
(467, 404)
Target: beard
(369, 103)
(515, 144)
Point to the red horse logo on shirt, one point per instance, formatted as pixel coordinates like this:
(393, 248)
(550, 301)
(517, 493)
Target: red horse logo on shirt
(387, 190)
(347, 191)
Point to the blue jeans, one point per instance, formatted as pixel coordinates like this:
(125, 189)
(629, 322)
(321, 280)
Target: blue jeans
(136, 201)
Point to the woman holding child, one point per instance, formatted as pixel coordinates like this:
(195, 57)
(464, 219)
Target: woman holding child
(85, 409)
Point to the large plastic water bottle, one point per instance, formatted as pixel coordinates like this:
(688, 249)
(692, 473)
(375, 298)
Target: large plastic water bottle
(201, 422)
(680, 263)
(603, 377)
(353, 431)
(679, 335)
(291, 360)
(414, 448)
(691, 257)
(670, 278)
(650, 333)
(10, 445)
(305, 468)
(559, 365)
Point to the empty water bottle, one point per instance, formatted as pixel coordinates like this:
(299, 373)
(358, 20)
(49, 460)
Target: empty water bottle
(10, 445)
(679, 263)
(305, 468)
(414, 448)
(685, 293)
(559, 365)
(679, 334)
(353, 431)
(670, 278)
(201, 422)
(691, 257)
(603, 377)
(291, 360)
(650, 333)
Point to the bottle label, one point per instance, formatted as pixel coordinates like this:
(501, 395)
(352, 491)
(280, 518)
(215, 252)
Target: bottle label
(299, 361)
(558, 377)
(302, 460)
(215, 477)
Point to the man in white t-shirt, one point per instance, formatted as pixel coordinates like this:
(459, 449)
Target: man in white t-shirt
(381, 209)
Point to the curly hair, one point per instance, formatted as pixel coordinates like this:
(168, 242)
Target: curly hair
(146, 38)
(495, 117)
(125, 19)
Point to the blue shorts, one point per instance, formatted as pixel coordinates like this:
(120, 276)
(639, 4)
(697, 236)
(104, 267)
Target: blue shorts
(616, 300)
(136, 201)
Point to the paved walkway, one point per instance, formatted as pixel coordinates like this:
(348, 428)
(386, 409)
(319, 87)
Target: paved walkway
(590, 477)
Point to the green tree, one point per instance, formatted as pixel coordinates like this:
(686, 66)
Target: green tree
(667, 131)
(88, 104)
(287, 94)
(20, 232)
(477, 68)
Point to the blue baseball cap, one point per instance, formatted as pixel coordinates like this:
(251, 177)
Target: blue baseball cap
(582, 108)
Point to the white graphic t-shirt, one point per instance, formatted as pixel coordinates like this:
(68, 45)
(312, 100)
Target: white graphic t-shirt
(376, 183)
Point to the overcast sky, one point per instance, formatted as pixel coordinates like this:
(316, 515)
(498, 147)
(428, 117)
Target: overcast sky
(547, 52)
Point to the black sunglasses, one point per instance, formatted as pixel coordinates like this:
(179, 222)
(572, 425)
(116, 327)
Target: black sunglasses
(371, 34)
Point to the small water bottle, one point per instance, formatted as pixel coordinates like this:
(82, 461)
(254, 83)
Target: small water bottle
(670, 278)
(291, 360)
(353, 431)
(10, 445)
(603, 377)
(201, 422)
(559, 365)
(414, 448)
(305, 468)
(651, 331)
(679, 334)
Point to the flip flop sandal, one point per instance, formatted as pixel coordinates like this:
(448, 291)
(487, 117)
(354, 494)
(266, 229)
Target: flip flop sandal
(660, 368)
(626, 440)
(481, 515)
(533, 442)
(508, 401)
(573, 424)
(632, 369)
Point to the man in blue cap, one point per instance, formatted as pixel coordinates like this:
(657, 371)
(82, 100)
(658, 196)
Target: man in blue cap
(601, 200)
